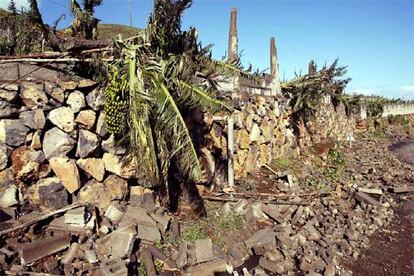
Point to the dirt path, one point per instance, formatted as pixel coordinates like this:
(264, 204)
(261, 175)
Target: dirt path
(392, 250)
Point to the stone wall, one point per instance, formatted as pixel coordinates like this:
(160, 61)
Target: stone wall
(261, 132)
(54, 146)
(398, 109)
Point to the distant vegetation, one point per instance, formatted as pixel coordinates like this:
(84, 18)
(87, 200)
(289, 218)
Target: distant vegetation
(108, 31)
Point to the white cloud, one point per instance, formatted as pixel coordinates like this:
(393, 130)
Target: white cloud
(407, 88)
(19, 4)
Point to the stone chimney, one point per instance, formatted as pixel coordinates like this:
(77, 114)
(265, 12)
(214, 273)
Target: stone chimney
(233, 39)
(274, 67)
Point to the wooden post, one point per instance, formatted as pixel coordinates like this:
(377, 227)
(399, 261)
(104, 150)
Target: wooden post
(274, 67)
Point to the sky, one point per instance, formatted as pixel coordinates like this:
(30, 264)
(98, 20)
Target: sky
(374, 38)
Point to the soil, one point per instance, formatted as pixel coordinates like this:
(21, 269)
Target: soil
(391, 251)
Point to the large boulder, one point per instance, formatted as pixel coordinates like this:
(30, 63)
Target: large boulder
(76, 101)
(12, 132)
(57, 143)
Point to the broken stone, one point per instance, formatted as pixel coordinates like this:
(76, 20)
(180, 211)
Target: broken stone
(48, 193)
(241, 207)
(95, 99)
(12, 132)
(4, 156)
(75, 216)
(35, 119)
(137, 215)
(36, 143)
(71, 254)
(113, 214)
(58, 94)
(7, 109)
(37, 250)
(101, 194)
(141, 197)
(330, 270)
(204, 250)
(90, 256)
(370, 191)
(100, 125)
(261, 238)
(68, 85)
(162, 220)
(57, 143)
(109, 145)
(271, 266)
(148, 233)
(181, 260)
(9, 197)
(8, 95)
(33, 95)
(86, 118)
(211, 268)
(88, 143)
(120, 242)
(93, 166)
(86, 83)
(254, 212)
(67, 171)
(400, 190)
(122, 167)
(27, 163)
(254, 133)
(362, 197)
(76, 101)
(63, 118)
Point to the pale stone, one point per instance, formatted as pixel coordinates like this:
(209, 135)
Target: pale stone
(264, 154)
(12, 132)
(254, 133)
(58, 94)
(267, 129)
(57, 143)
(88, 143)
(8, 95)
(76, 101)
(93, 166)
(36, 143)
(63, 118)
(86, 83)
(3, 156)
(110, 146)
(35, 119)
(100, 125)
(9, 197)
(86, 118)
(67, 171)
(33, 95)
(243, 139)
(68, 85)
(122, 167)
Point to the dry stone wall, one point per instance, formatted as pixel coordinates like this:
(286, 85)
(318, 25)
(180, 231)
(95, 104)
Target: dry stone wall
(54, 147)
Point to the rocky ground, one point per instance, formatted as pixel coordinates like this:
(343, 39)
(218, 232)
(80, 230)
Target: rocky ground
(341, 211)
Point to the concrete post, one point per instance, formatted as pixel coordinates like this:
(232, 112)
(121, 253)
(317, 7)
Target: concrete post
(230, 150)
(274, 67)
(233, 39)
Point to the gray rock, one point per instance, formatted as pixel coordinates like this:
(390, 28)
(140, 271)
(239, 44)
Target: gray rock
(204, 250)
(148, 233)
(95, 99)
(33, 95)
(241, 207)
(261, 238)
(254, 212)
(110, 146)
(35, 119)
(181, 260)
(120, 242)
(49, 193)
(7, 109)
(57, 143)
(272, 266)
(100, 125)
(12, 132)
(9, 93)
(88, 143)
(63, 118)
(76, 101)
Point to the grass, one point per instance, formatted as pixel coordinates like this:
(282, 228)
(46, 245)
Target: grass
(215, 226)
(281, 163)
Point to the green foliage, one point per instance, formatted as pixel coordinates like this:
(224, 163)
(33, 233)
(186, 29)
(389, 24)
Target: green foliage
(193, 232)
(159, 75)
(398, 120)
(281, 163)
(307, 92)
(84, 23)
(314, 183)
(336, 168)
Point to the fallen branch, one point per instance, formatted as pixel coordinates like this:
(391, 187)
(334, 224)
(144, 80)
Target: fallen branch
(35, 220)
(277, 202)
(51, 60)
(157, 254)
(274, 196)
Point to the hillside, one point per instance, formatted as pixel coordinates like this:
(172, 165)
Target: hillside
(3, 13)
(112, 30)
